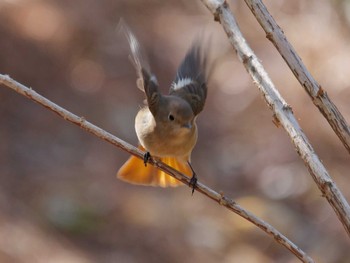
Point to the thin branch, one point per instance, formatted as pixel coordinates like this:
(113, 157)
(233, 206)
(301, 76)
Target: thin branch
(283, 113)
(318, 95)
(91, 128)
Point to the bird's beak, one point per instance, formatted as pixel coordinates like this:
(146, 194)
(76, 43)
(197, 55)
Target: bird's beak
(187, 125)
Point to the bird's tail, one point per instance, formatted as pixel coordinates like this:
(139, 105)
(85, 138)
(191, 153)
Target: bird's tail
(135, 172)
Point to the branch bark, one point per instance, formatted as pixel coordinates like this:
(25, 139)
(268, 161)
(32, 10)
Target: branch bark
(318, 95)
(283, 114)
(104, 135)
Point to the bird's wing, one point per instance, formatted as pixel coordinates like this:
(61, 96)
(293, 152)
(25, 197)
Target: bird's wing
(146, 81)
(191, 79)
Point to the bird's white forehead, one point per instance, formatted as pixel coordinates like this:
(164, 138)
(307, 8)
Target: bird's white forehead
(181, 83)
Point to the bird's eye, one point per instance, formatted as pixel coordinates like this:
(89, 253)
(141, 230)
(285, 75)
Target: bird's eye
(171, 117)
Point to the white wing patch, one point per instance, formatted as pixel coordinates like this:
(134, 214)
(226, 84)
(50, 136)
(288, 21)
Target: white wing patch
(181, 83)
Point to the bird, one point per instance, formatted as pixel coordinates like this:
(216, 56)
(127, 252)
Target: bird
(166, 126)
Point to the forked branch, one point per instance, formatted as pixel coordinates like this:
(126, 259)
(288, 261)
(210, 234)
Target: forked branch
(317, 94)
(282, 112)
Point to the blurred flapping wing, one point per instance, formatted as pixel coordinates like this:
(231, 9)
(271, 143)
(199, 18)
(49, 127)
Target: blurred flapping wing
(191, 79)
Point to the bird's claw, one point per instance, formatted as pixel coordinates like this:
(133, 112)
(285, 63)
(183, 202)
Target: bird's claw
(193, 182)
(146, 157)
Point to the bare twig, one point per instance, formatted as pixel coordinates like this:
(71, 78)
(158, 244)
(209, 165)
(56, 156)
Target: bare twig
(283, 113)
(219, 198)
(318, 95)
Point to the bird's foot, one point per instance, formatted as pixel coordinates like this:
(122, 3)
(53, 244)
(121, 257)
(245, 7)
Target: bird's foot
(193, 180)
(146, 157)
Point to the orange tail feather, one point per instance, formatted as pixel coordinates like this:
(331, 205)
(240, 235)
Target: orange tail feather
(135, 172)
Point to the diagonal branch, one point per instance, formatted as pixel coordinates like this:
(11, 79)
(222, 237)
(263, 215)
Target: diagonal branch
(283, 113)
(91, 128)
(318, 96)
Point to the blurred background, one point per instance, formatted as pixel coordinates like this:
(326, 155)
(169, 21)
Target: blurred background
(59, 198)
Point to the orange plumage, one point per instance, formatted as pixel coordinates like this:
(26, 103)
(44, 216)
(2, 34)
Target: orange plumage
(135, 172)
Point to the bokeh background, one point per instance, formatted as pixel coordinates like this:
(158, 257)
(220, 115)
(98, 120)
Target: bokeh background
(59, 198)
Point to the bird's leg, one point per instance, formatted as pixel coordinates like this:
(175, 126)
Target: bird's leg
(146, 157)
(193, 180)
